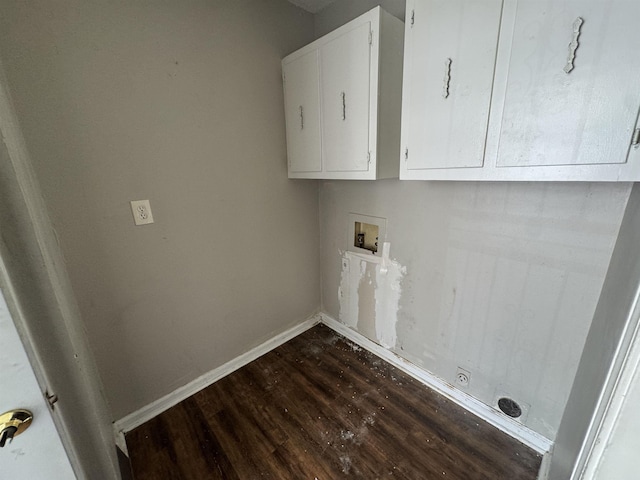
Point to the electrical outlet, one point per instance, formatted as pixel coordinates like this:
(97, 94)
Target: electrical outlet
(141, 210)
(462, 377)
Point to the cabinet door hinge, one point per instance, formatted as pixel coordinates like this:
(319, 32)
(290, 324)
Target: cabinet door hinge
(370, 37)
(413, 17)
(635, 138)
(369, 157)
(406, 154)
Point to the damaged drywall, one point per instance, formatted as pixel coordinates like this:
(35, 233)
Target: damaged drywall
(369, 295)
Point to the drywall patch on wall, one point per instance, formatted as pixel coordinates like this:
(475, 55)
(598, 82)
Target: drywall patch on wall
(369, 295)
(366, 298)
(391, 274)
(344, 292)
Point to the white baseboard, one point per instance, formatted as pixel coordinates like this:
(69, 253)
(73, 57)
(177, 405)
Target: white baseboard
(518, 431)
(150, 411)
(545, 466)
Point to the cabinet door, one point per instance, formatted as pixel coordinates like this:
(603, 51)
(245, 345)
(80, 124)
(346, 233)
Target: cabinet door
(450, 58)
(302, 113)
(573, 85)
(345, 66)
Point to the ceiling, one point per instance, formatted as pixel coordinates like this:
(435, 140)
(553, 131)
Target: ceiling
(312, 6)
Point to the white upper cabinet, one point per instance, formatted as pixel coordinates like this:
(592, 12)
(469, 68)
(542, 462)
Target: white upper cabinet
(564, 99)
(573, 83)
(302, 113)
(450, 58)
(342, 101)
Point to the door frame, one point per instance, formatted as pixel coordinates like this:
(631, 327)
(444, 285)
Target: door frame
(15, 314)
(624, 366)
(98, 455)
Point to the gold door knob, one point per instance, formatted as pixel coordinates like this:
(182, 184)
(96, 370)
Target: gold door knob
(13, 423)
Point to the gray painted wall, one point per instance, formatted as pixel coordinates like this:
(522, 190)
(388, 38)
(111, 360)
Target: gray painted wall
(180, 103)
(340, 12)
(606, 333)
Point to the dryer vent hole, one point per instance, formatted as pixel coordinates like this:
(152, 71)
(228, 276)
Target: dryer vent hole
(509, 407)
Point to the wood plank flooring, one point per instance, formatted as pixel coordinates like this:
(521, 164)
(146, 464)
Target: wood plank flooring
(321, 408)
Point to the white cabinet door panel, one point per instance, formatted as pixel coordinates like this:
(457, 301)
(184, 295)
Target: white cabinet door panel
(451, 57)
(583, 117)
(345, 67)
(302, 113)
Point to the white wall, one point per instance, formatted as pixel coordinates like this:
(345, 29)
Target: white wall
(501, 279)
(180, 103)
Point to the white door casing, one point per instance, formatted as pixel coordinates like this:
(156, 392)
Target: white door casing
(37, 453)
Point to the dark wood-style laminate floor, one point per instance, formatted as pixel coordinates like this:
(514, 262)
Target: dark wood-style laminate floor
(320, 407)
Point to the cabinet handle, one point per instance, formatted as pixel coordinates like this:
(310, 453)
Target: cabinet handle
(344, 105)
(573, 46)
(301, 118)
(635, 138)
(447, 78)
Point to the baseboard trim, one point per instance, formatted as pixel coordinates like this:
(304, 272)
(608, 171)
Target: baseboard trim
(155, 408)
(518, 431)
(545, 466)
